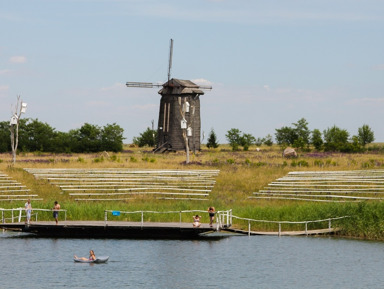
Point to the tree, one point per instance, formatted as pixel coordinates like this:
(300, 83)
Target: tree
(146, 138)
(285, 136)
(212, 140)
(259, 141)
(297, 137)
(302, 134)
(20, 108)
(87, 138)
(5, 139)
(112, 138)
(246, 140)
(365, 135)
(316, 139)
(335, 139)
(38, 136)
(233, 137)
(268, 140)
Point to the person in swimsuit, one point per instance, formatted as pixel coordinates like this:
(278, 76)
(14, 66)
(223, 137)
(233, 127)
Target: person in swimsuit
(91, 257)
(196, 221)
(211, 212)
(56, 210)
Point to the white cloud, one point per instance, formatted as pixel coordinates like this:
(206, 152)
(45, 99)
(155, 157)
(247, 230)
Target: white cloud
(4, 87)
(3, 90)
(202, 81)
(114, 87)
(4, 71)
(18, 59)
(367, 101)
(379, 67)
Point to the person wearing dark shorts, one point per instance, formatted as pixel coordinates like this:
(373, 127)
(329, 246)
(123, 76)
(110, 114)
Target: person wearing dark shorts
(211, 212)
(56, 210)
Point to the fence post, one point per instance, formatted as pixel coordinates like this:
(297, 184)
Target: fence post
(12, 215)
(105, 218)
(180, 219)
(142, 219)
(19, 215)
(2, 216)
(329, 225)
(306, 228)
(249, 228)
(279, 229)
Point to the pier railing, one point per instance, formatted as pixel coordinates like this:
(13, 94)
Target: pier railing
(19, 213)
(223, 218)
(281, 223)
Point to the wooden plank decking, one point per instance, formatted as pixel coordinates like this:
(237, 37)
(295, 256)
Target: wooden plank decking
(150, 230)
(288, 233)
(113, 229)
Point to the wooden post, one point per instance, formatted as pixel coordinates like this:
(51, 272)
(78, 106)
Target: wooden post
(19, 215)
(249, 228)
(306, 228)
(142, 219)
(279, 229)
(105, 217)
(180, 218)
(329, 225)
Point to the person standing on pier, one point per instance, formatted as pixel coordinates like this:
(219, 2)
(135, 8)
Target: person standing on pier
(56, 210)
(211, 212)
(28, 211)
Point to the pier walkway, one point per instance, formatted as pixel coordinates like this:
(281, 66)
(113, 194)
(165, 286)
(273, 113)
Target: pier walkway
(113, 227)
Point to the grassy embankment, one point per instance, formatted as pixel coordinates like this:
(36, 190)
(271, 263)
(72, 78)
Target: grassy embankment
(241, 174)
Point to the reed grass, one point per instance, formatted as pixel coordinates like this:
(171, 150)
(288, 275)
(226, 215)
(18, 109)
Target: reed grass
(241, 174)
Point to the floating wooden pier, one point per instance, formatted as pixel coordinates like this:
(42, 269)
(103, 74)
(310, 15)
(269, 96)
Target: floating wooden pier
(113, 229)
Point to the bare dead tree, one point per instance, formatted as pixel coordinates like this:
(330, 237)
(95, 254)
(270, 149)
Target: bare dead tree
(184, 126)
(19, 108)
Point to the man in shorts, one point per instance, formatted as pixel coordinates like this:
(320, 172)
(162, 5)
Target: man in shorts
(56, 210)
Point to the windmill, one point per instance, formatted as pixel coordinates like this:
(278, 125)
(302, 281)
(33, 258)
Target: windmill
(179, 125)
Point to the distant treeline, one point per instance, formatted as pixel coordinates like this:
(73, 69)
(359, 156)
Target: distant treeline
(38, 136)
(333, 139)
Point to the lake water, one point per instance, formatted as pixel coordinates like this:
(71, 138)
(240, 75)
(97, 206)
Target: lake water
(234, 262)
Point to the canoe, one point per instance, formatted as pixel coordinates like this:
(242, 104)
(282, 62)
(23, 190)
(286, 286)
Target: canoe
(101, 259)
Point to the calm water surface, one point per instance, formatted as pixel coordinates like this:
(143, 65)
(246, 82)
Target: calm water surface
(234, 262)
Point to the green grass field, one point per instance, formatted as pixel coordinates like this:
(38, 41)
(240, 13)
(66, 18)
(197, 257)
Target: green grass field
(241, 174)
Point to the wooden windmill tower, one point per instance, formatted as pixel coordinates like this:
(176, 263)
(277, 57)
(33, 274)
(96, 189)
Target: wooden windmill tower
(179, 125)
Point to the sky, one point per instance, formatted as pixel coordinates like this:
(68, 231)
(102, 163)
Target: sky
(270, 63)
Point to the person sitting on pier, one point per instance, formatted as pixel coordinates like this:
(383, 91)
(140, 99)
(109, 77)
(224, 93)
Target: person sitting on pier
(196, 221)
(92, 256)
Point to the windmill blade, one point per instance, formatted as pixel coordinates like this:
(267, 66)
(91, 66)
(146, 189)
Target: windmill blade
(143, 84)
(207, 87)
